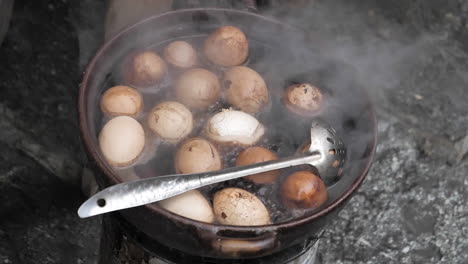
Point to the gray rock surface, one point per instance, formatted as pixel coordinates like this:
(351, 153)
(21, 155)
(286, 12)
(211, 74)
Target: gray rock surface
(412, 208)
(41, 159)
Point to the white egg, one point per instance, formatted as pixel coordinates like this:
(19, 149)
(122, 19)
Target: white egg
(191, 204)
(122, 140)
(231, 126)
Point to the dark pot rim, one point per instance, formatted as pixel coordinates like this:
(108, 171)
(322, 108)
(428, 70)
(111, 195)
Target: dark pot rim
(92, 149)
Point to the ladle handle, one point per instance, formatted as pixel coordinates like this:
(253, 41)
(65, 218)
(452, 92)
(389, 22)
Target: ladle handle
(145, 191)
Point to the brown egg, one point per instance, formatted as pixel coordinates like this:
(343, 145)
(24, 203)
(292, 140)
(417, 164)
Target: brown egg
(234, 206)
(303, 99)
(180, 54)
(122, 140)
(197, 88)
(304, 147)
(245, 89)
(255, 155)
(227, 46)
(303, 190)
(172, 121)
(197, 155)
(144, 69)
(121, 100)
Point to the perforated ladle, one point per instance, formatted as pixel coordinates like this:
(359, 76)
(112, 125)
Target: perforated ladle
(327, 153)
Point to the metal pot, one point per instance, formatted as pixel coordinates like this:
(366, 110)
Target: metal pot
(282, 46)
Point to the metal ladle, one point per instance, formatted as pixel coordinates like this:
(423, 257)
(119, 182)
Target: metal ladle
(327, 153)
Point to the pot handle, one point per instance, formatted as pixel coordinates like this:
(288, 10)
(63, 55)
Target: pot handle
(242, 247)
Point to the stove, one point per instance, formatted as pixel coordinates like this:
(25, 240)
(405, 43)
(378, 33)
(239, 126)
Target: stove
(123, 243)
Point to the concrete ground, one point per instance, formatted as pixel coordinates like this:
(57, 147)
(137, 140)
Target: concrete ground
(413, 56)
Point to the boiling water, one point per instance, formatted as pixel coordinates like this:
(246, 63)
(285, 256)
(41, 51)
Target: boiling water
(285, 132)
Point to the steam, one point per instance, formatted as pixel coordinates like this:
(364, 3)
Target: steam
(382, 51)
(379, 54)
